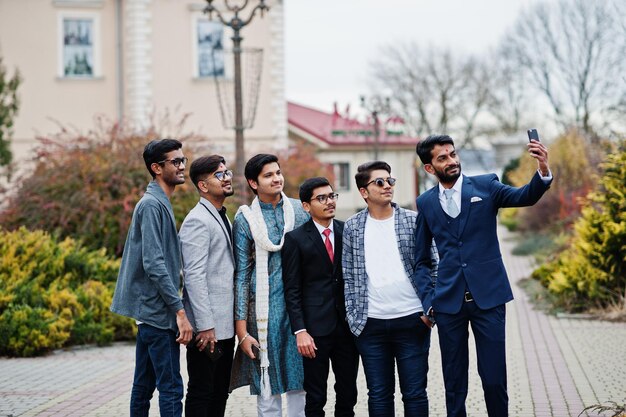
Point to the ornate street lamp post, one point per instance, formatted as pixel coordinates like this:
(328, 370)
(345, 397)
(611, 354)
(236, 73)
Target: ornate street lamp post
(236, 23)
(375, 106)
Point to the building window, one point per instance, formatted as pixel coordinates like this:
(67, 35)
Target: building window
(342, 175)
(78, 46)
(210, 49)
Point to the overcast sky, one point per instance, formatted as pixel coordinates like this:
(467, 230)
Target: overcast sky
(329, 43)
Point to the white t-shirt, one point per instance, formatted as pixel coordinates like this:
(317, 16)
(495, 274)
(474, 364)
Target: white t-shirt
(390, 293)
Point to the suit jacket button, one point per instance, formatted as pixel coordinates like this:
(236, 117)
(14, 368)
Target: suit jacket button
(460, 244)
(464, 265)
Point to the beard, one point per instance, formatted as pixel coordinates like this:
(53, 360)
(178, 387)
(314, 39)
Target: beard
(229, 193)
(446, 178)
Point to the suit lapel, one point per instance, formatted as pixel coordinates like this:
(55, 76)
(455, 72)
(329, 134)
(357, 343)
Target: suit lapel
(338, 230)
(466, 195)
(216, 216)
(436, 204)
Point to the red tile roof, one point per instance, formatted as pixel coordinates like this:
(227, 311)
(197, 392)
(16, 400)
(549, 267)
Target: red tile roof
(335, 129)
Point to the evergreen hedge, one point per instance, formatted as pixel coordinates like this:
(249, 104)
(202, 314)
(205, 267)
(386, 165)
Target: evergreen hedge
(592, 271)
(55, 293)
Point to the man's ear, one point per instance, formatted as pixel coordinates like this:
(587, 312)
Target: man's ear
(429, 168)
(202, 186)
(156, 168)
(363, 192)
(306, 206)
(253, 184)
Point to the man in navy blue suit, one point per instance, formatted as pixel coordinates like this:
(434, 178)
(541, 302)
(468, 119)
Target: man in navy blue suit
(472, 286)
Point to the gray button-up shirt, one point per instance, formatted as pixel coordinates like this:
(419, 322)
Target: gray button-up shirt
(149, 279)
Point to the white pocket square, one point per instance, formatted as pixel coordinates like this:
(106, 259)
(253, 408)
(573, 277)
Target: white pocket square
(475, 199)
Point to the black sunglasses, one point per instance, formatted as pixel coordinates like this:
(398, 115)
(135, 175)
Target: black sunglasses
(176, 161)
(381, 182)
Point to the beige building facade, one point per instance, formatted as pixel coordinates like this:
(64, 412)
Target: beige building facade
(134, 60)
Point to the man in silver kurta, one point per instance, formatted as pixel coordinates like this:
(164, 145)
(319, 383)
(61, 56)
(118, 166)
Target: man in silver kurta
(267, 358)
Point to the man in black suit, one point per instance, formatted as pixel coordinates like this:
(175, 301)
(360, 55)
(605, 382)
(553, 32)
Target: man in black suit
(314, 294)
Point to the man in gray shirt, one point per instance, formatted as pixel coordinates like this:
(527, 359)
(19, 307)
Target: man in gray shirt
(148, 283)
(208, 266)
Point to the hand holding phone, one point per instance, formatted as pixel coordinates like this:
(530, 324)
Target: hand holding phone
(256, 350)
(538, 151)
(217, 351)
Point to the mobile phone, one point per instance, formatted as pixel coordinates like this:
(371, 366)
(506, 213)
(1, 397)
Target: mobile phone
(215, 355)
(532, 134)
(257, 351)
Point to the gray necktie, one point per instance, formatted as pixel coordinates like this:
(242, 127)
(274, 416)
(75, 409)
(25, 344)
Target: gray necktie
(453, 209)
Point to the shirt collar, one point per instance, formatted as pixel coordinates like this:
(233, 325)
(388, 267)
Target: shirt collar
(321, 228)
(458, 185)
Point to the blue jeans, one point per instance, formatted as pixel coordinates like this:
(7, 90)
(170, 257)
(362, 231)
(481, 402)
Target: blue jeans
(157, 365)
(406, 341)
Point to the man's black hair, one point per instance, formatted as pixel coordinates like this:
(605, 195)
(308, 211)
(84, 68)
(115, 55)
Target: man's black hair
(255, 165)
(307, 187)
(203, 166)
(155, 151)
(424, 147)
(364, 171)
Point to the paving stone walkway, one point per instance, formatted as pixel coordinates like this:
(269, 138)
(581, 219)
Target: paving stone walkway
(556, 367)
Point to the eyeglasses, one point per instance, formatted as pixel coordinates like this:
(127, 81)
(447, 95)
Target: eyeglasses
(323, 198)
(381, 182)
(221, 175)
(176, 161)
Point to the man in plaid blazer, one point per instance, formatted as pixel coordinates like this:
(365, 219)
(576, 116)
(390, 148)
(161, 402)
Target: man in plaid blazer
(383, 309)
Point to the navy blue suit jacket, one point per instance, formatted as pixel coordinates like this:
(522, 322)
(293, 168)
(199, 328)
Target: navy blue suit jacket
(469, 254)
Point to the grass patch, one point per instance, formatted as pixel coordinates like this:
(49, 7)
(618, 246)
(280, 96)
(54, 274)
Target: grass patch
(534, 243)
(539, 296)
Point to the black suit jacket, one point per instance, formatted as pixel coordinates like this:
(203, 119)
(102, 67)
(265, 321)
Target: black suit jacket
(314, 292)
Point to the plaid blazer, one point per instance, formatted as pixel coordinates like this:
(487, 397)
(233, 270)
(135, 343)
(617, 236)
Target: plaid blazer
(353, 261)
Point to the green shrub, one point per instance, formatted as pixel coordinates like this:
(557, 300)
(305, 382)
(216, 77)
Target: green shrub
(592, 271)
(86, 186)
(54, 294)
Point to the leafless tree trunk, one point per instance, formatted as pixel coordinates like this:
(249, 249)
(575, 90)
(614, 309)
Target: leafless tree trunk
(572, 52)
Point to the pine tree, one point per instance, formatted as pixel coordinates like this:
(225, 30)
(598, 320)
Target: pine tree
(592, 271)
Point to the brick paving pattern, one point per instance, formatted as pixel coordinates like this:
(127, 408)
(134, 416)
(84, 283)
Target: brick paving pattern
(556, 367)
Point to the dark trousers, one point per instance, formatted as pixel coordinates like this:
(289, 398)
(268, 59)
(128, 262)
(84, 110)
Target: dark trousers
(488, 327)
(404, 342)
(157, 365)
(207, 390)
(339, 349)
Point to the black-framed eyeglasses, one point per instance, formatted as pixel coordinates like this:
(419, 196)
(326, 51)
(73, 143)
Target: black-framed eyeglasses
(221, 175)
(175, 161)
(381, 182)
(323, 198)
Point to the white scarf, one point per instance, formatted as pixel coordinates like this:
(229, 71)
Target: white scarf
(263, 246)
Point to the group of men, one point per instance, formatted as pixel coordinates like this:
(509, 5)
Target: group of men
(286, 291)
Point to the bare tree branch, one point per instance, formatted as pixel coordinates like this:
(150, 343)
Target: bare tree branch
(572, 53)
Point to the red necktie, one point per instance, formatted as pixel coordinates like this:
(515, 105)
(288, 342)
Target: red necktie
(329, 246)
